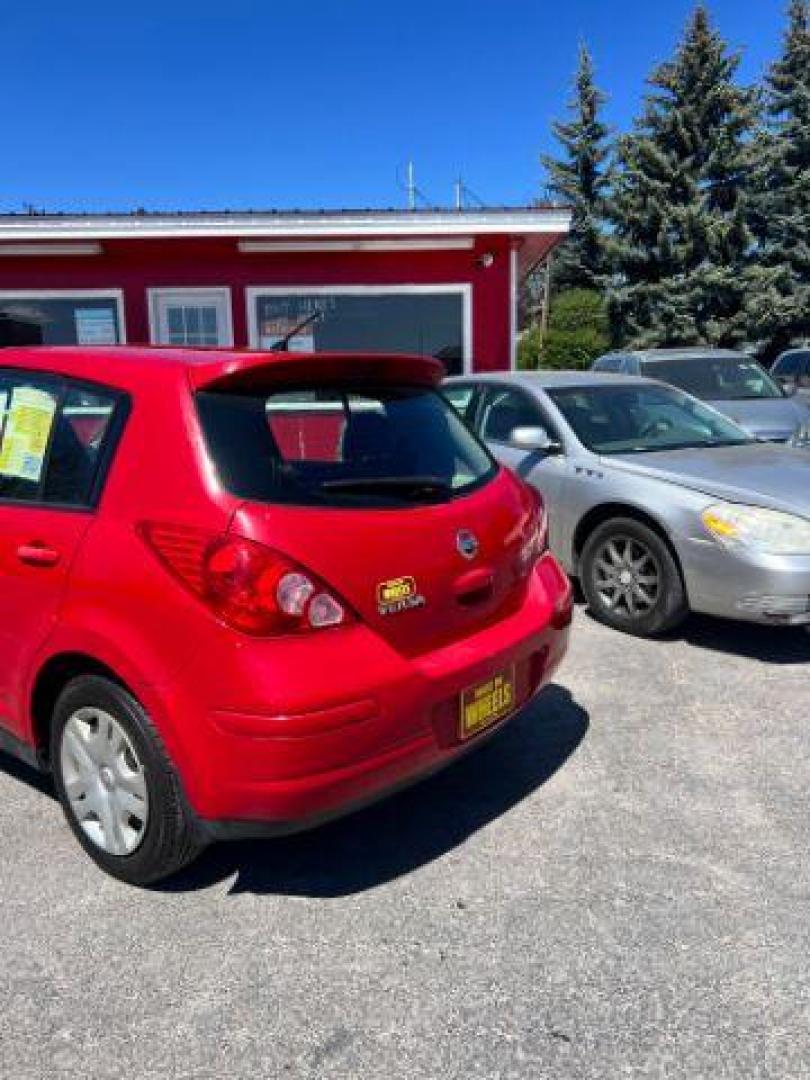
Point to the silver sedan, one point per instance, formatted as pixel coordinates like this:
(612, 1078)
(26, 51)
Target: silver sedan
(658, 503)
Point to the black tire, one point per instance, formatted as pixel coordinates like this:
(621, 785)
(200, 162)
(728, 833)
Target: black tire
(170, 839)
(634, 608)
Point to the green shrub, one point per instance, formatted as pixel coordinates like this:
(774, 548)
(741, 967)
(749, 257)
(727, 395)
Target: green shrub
(572, 349)
(528, 350)
(577, 333)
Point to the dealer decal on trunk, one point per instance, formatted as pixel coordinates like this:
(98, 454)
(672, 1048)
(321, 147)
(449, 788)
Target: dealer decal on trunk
(398, 594)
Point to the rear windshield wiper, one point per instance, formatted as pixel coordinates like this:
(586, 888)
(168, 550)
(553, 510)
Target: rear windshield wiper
(283, 343)
(429, 485)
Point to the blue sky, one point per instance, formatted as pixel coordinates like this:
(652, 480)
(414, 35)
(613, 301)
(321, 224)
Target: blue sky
(316, 104)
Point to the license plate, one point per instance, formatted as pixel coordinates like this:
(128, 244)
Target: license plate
(487, 703)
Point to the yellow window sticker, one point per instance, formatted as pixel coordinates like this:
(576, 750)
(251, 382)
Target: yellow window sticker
(26, 433)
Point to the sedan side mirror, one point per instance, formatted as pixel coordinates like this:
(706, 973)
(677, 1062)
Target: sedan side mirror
(789, 385)
(534, 439)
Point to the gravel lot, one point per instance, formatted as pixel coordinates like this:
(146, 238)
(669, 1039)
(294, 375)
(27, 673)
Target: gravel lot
(618, 885)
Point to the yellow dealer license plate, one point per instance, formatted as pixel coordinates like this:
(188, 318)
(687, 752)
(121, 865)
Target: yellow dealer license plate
(487, 703)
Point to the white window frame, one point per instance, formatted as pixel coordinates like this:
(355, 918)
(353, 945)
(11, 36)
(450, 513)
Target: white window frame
(178, 292)
(462, 289)
(75, 294)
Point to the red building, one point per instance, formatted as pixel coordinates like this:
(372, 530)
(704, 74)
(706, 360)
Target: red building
(431, 281)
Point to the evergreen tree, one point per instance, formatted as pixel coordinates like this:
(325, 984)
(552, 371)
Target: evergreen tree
(780, 215)
(681, 239)
(578, 179)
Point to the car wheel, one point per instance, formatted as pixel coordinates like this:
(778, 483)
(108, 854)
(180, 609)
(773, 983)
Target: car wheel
(631, 580)
(117, 786)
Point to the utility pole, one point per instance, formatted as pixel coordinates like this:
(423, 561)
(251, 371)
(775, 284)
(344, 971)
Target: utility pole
(546, 299)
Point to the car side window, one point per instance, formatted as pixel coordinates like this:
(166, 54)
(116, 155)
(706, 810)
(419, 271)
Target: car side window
(789, 365)
(545, 420)
(606, 363)
(460, 397)
(80, 434)
(51, 439)
(28, 411)
(504, 410)
(614, 364)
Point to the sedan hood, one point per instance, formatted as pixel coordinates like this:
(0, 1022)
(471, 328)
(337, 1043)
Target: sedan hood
(766, 418)
(760, 474)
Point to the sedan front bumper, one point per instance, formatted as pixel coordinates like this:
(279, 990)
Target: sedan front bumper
(769, 589)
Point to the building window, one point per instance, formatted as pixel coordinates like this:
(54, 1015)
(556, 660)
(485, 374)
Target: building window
(61, 318)
(190, 317)
(431, 321)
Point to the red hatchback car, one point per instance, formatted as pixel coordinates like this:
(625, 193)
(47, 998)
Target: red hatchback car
(243, 592)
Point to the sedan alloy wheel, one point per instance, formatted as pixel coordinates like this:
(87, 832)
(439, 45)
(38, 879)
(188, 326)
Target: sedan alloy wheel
(628, 577)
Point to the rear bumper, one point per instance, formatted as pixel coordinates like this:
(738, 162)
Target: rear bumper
(375, 724)
(220, 829)
(767, 589)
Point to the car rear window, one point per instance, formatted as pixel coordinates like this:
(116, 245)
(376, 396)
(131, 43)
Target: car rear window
(378, 446)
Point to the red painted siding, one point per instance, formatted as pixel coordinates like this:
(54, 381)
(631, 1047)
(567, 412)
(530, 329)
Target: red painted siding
(137, 265)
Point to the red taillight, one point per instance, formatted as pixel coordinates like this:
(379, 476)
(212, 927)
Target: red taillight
(542, 528)
(535, 537)
(249, 586)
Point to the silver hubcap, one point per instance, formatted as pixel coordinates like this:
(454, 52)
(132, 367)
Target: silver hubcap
(104, 781)
(627, 576)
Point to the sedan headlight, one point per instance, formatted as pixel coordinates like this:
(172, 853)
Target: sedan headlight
(769, 532)
(801, 436)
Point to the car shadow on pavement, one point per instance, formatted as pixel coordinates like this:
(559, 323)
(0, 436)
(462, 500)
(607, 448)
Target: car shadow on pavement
(770, 644)
(406, 831)
(18, 770)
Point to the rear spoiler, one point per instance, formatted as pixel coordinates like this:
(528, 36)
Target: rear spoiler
(249, 371)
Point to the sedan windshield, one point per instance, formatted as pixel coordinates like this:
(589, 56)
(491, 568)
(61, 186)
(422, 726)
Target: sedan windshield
(641, 418)
(712, 378)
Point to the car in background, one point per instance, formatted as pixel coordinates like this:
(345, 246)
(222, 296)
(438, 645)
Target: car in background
(658, 503)
(241, 593)
(730, 381)
(791, 370)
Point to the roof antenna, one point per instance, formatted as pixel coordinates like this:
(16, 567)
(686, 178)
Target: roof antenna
(415, 194)
(411, 187)
(464, 196)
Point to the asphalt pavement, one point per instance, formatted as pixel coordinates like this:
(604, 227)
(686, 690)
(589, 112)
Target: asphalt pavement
(618, 885)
